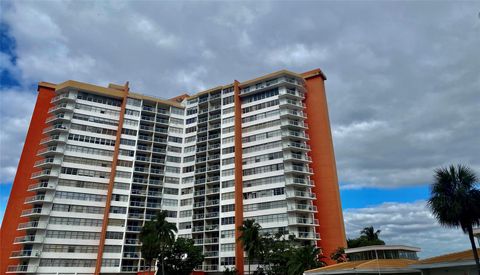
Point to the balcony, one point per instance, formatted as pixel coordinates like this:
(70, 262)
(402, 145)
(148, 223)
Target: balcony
(58, 118)
(292, 92)
(56, 129)
(44, 174)
(50, 150)
(302, 221)
(25, 254)
(31, 225)
(295, 134)
(33, 212)
(298, 169)
(297, 157)
(296, 146)
(211, 227)
(291, 103)
(18, 268)
(131, 255)
(198, 216)
(211, 215)
(139, 216)
(37, 198)
(132, 241)
(41, 186)
(210, 240)
(210, 267)
(294, 124)
(212, 202)
(301, 195)
(301, 208)
(308, 235)
(197, 229)
(285, 80)
(148, 109)
(61, 107)
(209, 254)
(297, 114)
(48, 162)
(63, 97)
(27, 239)
(53, 139)
(134, 228)
(299, 182)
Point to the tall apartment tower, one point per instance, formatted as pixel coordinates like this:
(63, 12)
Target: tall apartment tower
(100, 161)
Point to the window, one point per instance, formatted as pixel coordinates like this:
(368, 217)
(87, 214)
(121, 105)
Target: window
(264, 205)
(228, 100)
(79, 196)
(260, 106)
(176, 111)
(99, 99)
(227, 261)
(228, 234)
(95, 119)
(228, 220)
(227, 247)
(228, 196)
(260, 96)
(228, 208)
(191, 111)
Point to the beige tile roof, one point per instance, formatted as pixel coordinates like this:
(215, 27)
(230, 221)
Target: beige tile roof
(452, 257)
(366, 265)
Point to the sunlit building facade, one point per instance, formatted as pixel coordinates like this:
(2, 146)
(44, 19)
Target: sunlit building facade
(98, 162)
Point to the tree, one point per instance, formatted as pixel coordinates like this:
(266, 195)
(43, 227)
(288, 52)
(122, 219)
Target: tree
(276, 252)
(158, 233)
(455, 200)
(368, 236)
(339, 255)
(150, 246)
(250, 238)
(304, 258)
(183, 257)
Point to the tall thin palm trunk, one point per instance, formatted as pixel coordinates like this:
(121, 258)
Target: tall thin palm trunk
(474, 248)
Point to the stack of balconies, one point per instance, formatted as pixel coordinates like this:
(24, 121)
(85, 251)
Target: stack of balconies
(44, 180)
(148, 177)
(206, 204)
(300, 208)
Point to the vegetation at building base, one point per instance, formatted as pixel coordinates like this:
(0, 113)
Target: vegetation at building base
(277, 254)
(175, 257)
(368, 236)
(455, 200)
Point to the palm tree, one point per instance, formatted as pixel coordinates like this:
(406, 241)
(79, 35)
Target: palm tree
(370, 234)
(455, 200)
(251, 239)
(150, 246)
(304, 258)
(159, 232)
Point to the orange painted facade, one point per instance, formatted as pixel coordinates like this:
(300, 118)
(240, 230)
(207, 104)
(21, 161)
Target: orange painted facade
(331, 228)
(111, 182)
(25, 169)
(239, 258)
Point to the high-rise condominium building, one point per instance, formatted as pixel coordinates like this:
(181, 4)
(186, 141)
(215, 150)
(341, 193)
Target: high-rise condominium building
(100, 161)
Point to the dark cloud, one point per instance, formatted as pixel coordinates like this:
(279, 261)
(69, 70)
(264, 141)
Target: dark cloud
(403, 78)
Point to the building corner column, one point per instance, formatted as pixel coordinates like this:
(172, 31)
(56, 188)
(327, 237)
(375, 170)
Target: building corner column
(239, 256)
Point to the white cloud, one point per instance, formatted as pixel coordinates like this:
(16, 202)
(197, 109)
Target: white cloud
(16, 108)
(407, 224)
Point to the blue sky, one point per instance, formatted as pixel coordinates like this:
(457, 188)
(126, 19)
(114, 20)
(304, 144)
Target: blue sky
(402, 82)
